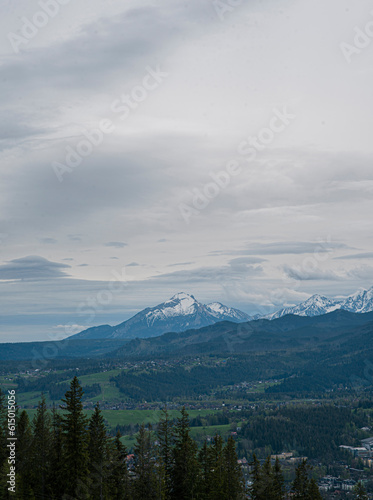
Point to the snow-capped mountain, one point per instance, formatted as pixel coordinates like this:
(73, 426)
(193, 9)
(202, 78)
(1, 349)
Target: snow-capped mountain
(180, 313)
(359, 302)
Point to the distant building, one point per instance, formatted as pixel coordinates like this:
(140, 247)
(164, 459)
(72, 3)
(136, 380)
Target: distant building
(368, 443)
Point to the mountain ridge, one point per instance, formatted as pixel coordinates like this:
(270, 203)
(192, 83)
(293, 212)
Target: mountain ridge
(180, 313)
(316, 305)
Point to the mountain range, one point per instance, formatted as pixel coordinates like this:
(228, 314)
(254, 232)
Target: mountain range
(359, 302)
(183, 312)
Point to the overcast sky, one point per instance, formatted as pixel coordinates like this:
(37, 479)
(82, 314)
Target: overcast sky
(270, 99)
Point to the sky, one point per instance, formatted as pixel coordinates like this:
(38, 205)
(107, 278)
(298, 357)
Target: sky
(220, 148)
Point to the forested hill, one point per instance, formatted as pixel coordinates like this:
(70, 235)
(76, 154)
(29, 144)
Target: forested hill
(288, 332)
(339, 328)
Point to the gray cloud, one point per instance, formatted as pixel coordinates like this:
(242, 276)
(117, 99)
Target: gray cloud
(210, 274)
(315, 182)
(32, 268)
(48, 241)
(365, 255)
(300, 274)
(181, 264)
(285, 248)
(116, 244)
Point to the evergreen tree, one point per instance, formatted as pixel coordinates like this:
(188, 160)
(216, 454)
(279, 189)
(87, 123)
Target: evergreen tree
(313, 490)
(24, 466)
(217, 465)
(98, 454)
(185, 471)
(145, 483)
(268, 483)
(41, 448)
(360, 492)
(303, 487)
(206, 471)
(279, 483)
(74, 427)
(233, 483)
(301, 482)
(165, 437)
(256, 488)
(119, 486)
(56, 471)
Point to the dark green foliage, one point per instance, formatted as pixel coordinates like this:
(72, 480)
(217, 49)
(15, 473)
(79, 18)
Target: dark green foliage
(267, 481)
(41, 448)
(57, 464)
(24, 466)
(165, 437)
(145, 484)
(315, 432)
(360, 492)
(98, 461)
(278, 481)
(119, 487)
(233, 485)
(185, 471)
(63, 456)
(74, 427)
(304, 488)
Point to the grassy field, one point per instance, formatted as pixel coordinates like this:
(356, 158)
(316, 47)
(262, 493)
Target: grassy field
(133, 417)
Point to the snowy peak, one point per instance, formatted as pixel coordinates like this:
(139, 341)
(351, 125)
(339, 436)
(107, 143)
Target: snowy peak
(179, 304)
(220, 310)
(359, 302)
(183, 304)
(180, 313)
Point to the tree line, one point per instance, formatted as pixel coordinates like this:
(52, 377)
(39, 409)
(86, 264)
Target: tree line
(64, 455)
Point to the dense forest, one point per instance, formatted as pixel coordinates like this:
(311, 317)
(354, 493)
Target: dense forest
(313, 431)
(65, 456)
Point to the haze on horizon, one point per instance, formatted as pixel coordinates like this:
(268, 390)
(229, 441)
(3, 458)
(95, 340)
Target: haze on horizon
(184, 92)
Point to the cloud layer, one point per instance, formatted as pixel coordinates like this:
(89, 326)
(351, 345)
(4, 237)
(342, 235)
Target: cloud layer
(294, 219)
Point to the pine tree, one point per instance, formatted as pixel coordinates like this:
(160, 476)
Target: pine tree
(145, 482)
(256, 488)
(313, 490)
(24, 466)
(56, 471)
(98, 454)
(301, 482)
(119, 486)
(279, 483)
(165, 437)
(74, 426)
(185, 471)
(217, 464)
(303, 487)
(206, 471)
(233, 483)
(360, 492)
(41, 447)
